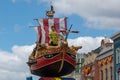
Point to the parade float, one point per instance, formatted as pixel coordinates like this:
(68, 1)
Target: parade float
(52, 58)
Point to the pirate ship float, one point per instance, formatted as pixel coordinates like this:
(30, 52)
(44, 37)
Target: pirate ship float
(52, 57)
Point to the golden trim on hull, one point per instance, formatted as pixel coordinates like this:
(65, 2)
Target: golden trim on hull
(40, 51)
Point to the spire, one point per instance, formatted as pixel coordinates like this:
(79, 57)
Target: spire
(105, 40)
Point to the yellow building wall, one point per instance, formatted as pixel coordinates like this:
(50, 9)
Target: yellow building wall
(103, 68)
(91, 58)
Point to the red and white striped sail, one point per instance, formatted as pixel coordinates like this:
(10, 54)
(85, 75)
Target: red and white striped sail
(45, 27)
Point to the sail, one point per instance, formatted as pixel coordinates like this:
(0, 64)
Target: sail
(39, 32)
(43, 30)
(58, 23)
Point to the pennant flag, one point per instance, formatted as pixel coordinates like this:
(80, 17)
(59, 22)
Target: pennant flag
(45, 27)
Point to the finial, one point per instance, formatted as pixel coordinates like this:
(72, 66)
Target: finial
(51, 12)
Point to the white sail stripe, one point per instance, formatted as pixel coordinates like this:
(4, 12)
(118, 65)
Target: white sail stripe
(61, 23)
(40, 21)
(43, 34)
(43, 31)
(50, 23)
(36, 30)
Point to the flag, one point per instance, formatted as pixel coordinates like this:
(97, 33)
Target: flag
(45, 27)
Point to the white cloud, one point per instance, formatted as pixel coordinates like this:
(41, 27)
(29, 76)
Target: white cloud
(87, 43)
(97, 13)
(13, 64)
(104, 14)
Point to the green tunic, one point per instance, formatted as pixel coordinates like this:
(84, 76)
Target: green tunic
(53, 38)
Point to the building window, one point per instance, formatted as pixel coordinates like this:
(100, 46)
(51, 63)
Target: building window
(101, 74)
(111, 73)
(106, 73)
(118, 55)
(118, 75)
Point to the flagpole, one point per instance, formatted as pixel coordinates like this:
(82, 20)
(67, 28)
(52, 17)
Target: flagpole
(32, 26)
(68, 32)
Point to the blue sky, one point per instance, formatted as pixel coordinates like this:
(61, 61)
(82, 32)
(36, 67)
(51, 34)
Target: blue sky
(93, 19)
(16, 17)
(15, 21)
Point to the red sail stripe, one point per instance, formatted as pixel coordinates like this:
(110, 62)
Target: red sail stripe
(56, 24)
(65, 22)
(46, 28)
(39, 34)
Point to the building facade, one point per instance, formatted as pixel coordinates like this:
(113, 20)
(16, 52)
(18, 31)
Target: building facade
(116, 39)
(90, 67)
(79, 62)
(105, 60)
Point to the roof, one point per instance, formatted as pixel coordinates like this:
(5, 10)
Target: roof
(116, 35)
(106, 41)
(97, 50)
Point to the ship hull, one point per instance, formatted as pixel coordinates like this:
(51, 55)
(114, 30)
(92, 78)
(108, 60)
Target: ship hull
(52, 70)
(59, 64)
(53, 61)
